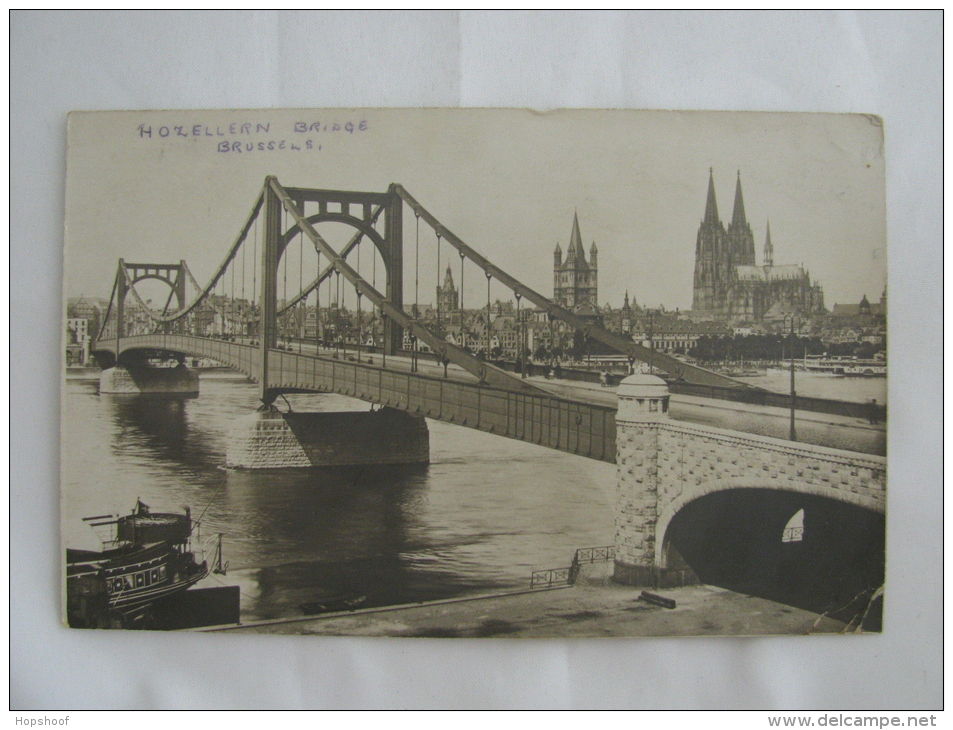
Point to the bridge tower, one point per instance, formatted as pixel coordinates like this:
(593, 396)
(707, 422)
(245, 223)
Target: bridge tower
(360, 210)
(133, 375)
(130, 274)
(643, 408)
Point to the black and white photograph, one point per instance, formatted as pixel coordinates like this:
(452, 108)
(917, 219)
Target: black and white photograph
(476, 360)
(475, 373)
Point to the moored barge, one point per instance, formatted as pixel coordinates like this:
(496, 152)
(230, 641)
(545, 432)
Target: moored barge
(149, 558)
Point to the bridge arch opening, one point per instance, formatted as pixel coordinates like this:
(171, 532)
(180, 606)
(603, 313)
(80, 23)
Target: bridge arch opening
(794, 529)
(346, 223)
(155, 290)
(370, 258)
(803, 550)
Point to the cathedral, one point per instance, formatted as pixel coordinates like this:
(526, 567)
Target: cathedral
(575, 281)
(730, 285)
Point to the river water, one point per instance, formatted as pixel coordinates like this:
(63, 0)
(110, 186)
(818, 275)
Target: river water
(480, 517)
(859, 389)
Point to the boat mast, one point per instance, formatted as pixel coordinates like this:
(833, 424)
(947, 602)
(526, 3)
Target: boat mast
(220, 567)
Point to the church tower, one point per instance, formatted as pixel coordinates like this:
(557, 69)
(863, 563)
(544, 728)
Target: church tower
(768, 248)
(575, 281)
(740, 237)
(626, 314)
(712, 268)
(447, 297)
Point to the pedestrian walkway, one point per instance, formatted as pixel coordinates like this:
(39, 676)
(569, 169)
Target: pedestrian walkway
(822, 429)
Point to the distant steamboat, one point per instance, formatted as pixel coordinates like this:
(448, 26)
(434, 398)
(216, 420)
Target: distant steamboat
(836, 367)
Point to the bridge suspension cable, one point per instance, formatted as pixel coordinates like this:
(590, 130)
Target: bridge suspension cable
(317, 306)
(417, 268)
(487, 373)
(292, 312)
(217, 281)
(617, 342)
(326, 273)
(299, 321)
(439, 330)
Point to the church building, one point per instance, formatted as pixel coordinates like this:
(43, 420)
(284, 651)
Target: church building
(731, 286)
(575, 281)
(448, 299)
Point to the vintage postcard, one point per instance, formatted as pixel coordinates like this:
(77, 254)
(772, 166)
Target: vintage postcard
(474, 372)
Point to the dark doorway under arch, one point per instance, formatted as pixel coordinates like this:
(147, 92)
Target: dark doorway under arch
(741, 539)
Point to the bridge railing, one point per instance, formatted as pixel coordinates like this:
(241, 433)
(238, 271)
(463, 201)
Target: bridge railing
(576, 427)
(550, 577)
(792, 534)
(568, 575)
(573, 426)
(594, 554)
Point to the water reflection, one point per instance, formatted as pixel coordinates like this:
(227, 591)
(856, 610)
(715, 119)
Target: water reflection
(480, 517)
(159, 425)
(333, 531)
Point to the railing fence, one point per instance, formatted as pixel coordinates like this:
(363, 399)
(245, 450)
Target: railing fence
(567, 576)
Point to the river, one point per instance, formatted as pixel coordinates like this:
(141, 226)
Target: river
(480, 517)
(859, 389)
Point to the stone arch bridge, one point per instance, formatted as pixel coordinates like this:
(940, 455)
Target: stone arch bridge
(663, 466)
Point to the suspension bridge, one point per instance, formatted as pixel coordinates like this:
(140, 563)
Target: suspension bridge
(238, 319)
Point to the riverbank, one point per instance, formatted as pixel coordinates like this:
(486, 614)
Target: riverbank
(92, 372)
(594, 607)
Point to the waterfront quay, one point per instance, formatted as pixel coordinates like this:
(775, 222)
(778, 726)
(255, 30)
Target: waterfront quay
(593, 607)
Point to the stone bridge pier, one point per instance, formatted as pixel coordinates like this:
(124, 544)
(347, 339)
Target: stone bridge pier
(142, 378)
(664, 465)
(269, 439)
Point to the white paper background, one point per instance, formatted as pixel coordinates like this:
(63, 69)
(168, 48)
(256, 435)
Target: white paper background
(883, 63)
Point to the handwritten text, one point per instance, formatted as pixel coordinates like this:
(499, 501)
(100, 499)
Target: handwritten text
(247, 137)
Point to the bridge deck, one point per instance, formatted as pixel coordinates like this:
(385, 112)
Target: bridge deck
(577, 418)
(577, 427)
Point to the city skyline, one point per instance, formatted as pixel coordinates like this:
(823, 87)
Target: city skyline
(825, 211)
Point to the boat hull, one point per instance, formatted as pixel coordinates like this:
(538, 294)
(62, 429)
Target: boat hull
(151, 561)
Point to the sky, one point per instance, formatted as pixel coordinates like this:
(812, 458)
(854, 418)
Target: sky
(158, 187)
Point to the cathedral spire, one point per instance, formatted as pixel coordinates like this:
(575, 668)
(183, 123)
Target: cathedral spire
(711, 207)
(768, 248)
(738, 219)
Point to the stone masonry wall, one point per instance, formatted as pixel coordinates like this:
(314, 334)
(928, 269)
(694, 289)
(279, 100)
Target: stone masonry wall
(273, 440)
(263, 441)
(662, 465)
(637, 495)
(695, 461)
(120, 380)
